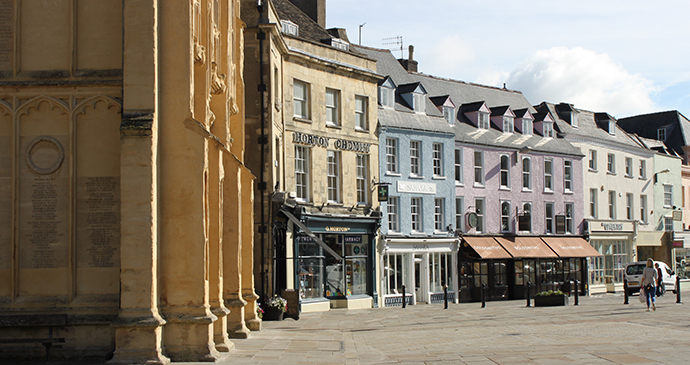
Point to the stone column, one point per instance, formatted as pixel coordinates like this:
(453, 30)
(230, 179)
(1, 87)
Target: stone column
(218, 308)
(232, 242)
(138, 333)
(248, 293)
(184, 180)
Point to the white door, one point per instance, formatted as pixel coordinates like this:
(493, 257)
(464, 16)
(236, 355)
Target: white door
(421, 281)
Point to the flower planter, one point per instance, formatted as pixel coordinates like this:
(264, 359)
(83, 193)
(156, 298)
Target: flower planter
(550, 301)
(273, 314)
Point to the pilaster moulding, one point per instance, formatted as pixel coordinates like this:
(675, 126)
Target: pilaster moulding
(189, 315)
(138, 318)
(137, 123)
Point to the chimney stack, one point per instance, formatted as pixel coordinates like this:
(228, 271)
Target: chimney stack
(409, 64)
(315, 9)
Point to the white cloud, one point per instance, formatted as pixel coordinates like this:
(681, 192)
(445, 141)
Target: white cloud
(450, 54)
(590, 80)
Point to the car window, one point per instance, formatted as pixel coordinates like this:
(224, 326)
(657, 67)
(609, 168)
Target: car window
(669, 271)
(634, 269)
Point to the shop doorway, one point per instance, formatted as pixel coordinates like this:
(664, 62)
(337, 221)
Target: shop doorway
(420, 279)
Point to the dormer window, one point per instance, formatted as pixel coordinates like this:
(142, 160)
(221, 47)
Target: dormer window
(289, 27)
(661, 134)
(548, 130)
(612, 128)
(340, 44)
(508, 124)
(573, 119)
(418, 103)
(387, 93)
(483, 121)
(449, 114)
(527, 126)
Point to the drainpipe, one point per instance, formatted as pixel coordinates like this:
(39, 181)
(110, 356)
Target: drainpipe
(263, 140)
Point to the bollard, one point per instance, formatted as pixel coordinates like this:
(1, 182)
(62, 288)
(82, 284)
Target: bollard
(678, 290)
(528, 285)
(404, 297)
(445, 297)
(577, 292)
(483, 295)
(625, 291)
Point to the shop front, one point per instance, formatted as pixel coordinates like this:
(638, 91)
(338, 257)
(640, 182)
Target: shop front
(423, 265)
(681, 254)
(482, 261)
(613, 240)
(334, 261)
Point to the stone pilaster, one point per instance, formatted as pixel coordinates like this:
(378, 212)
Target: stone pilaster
(247, 195)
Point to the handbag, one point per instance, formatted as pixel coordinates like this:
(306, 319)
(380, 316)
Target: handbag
(648, 287)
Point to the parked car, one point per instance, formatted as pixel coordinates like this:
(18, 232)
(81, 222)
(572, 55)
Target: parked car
(633, 272)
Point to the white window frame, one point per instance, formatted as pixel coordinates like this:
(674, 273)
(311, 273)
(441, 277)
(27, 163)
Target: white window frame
(386, 97)
(527, 174)
(333, 162)
(505, 216)
(508, 124)
(504, 171)
(361, 112)
(668, 196)
(548, 130)
(392, 207)
(611, 163)
(449, 114)
(419, 102)
(549, 218)
(643, 169)
(479, 168)
(668, 224)
(612, 204)
(548, 174)
(332, 107)
(527, 208)
(629, 207)
(458, 166)
(392, 155)
(483, 120)
(569, 212)
(302, 161)
(568, 176)
(527, 127)
(628, 167)
(288, 27)
(593, 203)
(480, 210)
(439, 214)
(301, 99)
(416, 214)
(416, 158)
(362, 179)
(437, 159)
(592, 160)
(643, 208)
(459, 216)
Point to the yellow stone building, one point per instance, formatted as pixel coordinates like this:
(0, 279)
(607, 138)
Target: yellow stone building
(124, 197)
(311, 125)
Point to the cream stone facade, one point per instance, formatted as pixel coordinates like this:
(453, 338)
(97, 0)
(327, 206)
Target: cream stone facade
(124, 196)
(334, 125)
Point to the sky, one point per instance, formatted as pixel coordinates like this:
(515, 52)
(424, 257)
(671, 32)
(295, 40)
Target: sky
(623, 57)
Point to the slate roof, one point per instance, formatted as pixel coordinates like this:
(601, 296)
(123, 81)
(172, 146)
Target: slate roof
(468, 96)
(587, 126)
(646, 125)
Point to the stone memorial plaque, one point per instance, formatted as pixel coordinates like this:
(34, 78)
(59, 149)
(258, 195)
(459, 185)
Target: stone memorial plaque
(43, 203)
(6, 34)
(98, 221)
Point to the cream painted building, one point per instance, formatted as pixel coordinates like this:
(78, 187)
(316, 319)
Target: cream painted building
(316, 121)
(123, 190)
(618, 191)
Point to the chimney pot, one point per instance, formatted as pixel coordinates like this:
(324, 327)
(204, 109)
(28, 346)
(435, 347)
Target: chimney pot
(410, 53)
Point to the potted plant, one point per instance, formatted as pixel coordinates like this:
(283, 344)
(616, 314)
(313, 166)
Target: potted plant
(275, 307)
(550, 298)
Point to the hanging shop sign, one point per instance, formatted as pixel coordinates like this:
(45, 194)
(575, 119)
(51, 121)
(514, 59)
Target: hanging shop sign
(383, 193)
(341, 144)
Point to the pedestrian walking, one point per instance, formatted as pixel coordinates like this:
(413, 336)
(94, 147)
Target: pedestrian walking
(649, 277)
(659, 280)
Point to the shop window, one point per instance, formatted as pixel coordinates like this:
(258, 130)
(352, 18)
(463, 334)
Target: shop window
(609, 267)
(310, 271)
(525, 272)
(499, 273)
(395, 273)
(440, 272)
(348, 277)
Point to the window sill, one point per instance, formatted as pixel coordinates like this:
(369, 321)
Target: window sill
(569, 192)
(334, 204)
(504, 188)
(610, 173)
(334, 126)
(479, 186)
(361, 130)
(642, 178)
(548, 191)
(419, 177)
(388, 173)
(629, 176)
(593, 170)
(435, 177)
(300, 119)
(459, 184)
(526, 190)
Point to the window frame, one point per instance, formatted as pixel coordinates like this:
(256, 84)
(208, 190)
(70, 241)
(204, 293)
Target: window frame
(362, 178)
(527, 127)
(303, 100)
(437, 159)
(549, 218)
(386, 97)
(479, 168)
(668, 196)
(569, 217)
(529, 211)
(610, 163)
(643, 169)
(459, 216)
(362, 114)
(643, 208)
(333, 176)
(505, 216)
(593, 203)
(332, 110)
(628, 167)
(527, 175)
(416, 221)
(483, 120)
(612, 204)
(439, 214)
(661, 134)
(392, 155)
(415, 158)
(592, 162)
(458, 166)
(568, 176)
(393, 213)
(480, 214)
(504, 173)
(548, 175)
(449, 114)
(303, 188)
(629, 206)
(508, 124)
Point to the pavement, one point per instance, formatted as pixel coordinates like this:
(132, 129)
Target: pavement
(600, 330)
